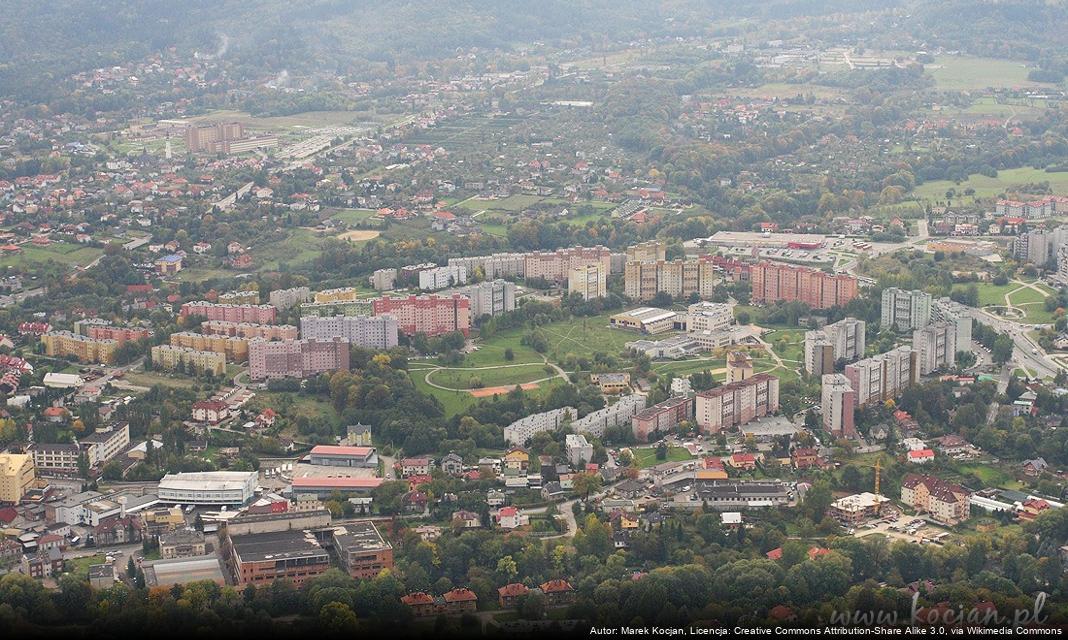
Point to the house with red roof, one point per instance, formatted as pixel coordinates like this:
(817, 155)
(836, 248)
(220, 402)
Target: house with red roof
(511, 518)
(921, 456)
(460, 600)
(558, 592)
(421, 604)
(508, 595)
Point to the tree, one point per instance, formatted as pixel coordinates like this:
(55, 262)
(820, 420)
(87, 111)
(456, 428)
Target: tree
(337, 619)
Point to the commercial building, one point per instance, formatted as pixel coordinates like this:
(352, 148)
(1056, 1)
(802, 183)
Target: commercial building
(361, 549)
(614, 415)
(611, 384)
(249, 330)
(182, 543)
(679, 346)
(370, 332)
(677, 278)
(522, 430)
(854, 509)
(296, 358)
(169, 572)
(64, 344)
(883, 377)
(442, 277)
(234, 348)
(837, 403)
(944, 501)
(254, 313)
(905, 310)
(589, 281)
(261, 559)
(661, 417)
(327, 486)
(579, 451)
(772, 282)
(55, 458)
(289, 298)
(338, 456)
(646, 320)
(737, 403)
(168, 357)
(709, 316)
(430, 314)
(208, 487)
(936, 346)
(724, 495)
(490, 298)
(16, 476)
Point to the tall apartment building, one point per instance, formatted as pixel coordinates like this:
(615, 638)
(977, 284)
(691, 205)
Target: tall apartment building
(288, 298)
(837, 404)
(614, 415)
(936, 346)
(589, 281)
(555, 265)
(170, 357)
(773, 282)
(369, 332)
(249, 330)
(431, 314)
(497, 265)
(1035, 246)
(16, 476)
(254, 313)
(678, 278)
(948, 310)
(84, 349)
(739, 366)
(342, 294)
(819, 353)
(661, 417)
(296, 358)
(882, 377)
(737, 403)
(905, 310)
(385, 279)
(234, 348)
(490, 298)
(98, 329)
(651, 251)
(442, 277)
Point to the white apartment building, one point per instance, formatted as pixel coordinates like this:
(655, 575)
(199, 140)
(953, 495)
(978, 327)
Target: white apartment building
(948, 310)
(522, 430)
(614, 415)
(371, 332)
(491, 298)
(882, 377)
(383, 279)
(905, 310)
(442, 277)
(579, 451)
(288, 298)
(935, 346)
(590, 281)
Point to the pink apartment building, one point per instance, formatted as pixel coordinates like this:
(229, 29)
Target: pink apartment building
(254, 313)
(820, 290)
(250, 330)
(432, 315)
(296, 358)
(737, 403)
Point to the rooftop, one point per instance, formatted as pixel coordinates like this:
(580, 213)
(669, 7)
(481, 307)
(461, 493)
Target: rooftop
(359, 536)
(278, 545)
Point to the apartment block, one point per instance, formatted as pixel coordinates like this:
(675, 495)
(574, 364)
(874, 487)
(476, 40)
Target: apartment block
(905, 310)
(614, 415)
(383, 279)
(347, 308)
(296, 358)
(842, 340)
(936, 346)
(737, 403)
(104, 444)
(837, 404)
(369, 332)
(819, 353)
(254, 313)
(944, 501)
(522, 430)
(168, 357)
(235, 349)
(98, 329)
(677, 278)
(661, 417)
(651, 251)
(555, 265)
(442, 277)
(590, 281)
(239, 297)
(772, 282)
(430, 314)
(71, 345)
(248, 330)
(289, 298)
(16, 476)
(882, 377)
(947, 310)
(343, 294)
(490, 298)
(497, 265)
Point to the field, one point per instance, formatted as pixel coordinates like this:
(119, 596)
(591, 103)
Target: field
(464, 132)
(301, 246)
(455, 402)
(80, 566)
(477, 378)
(966, 73)
(353, 216)
(646, 457)
(787, 344)
(64, 253)
(152, 378)
(1028, 301)
(293, 406)
(358, 235)
(986, 187)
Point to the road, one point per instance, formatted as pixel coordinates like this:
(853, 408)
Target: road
(1026, 352)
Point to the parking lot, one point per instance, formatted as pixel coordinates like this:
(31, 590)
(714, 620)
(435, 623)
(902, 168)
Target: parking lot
(904, 527)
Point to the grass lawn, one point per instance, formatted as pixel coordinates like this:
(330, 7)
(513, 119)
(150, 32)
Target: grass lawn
(990, 475)
(646, 457)
(197, 274)
(990, 294)
(986, 187)
(352, 216)
(152, 378)
(787, 344)
(586, 336)
(80, 566)
(293, 406)
(301, 246)
(1026, 295)
(457, 402)
(965, 73)
(468, 379)
(61, 252)
(491, 352)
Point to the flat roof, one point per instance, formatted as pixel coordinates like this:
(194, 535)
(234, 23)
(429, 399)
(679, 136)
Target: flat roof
(340, 483)
(277, 545)
(360, 536)
(331, 450)
(209, 480)
(162, 573)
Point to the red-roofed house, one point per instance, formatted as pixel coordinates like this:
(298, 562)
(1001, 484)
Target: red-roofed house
(508, 595)
(558, 592)
(921, 456)
(421, 604)
(460, 601)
